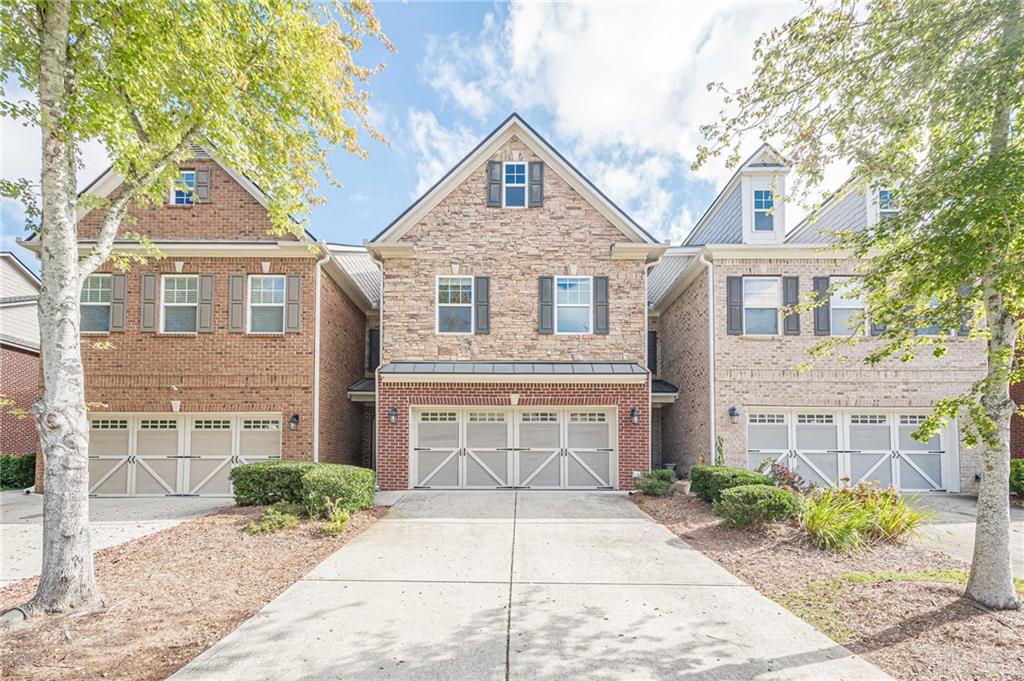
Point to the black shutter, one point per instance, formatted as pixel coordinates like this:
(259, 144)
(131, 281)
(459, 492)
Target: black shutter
(790, 298)
(293, 303)
(494, 184)
(546, 305)
(734, 305)
(205, 320)
(118, 285)
(652, 351)
(482, 304)
(236, 303)
(373, 347)
(536, 184)
(601, 305)
(148, 297)
(822, 313)
(202, 188)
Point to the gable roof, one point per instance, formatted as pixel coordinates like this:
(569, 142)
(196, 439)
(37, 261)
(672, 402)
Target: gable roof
(21, 268)
(515, 126)
(361, 269)
(844, 209)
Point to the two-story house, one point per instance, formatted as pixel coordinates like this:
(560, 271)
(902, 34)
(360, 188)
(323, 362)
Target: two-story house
(19, 355)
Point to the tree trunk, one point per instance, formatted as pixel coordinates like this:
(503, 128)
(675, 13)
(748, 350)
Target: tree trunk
(991, 580)
(67, 580)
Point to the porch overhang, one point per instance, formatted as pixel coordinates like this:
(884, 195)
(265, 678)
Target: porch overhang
(663, 392)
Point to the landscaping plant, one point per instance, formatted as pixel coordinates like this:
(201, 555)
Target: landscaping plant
(1017, 477)
(337, 517)
(347, 487)
(710, 481)
(844, 519)
(657, 483)
(756, 505)
(268, 482)
(783, 477)
(17, 472)
(272, 520)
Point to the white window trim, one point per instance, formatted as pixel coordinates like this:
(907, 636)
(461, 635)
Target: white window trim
(590, 305)
(878, 199)
(525, 185)
(770, 212)
(470, 305)
(106, 305)
(163, 305)
(778, 307)
(861, 305)
(173, 197)
(249, 304)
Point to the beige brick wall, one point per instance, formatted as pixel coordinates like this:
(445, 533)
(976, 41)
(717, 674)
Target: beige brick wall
(513, 247)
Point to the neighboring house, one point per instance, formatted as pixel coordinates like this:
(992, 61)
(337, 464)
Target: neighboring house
(19, 354)
(1017, 423)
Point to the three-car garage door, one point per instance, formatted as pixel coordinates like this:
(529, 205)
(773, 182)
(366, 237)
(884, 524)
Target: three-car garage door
(537, 448)
(828, 446)
(174, 454)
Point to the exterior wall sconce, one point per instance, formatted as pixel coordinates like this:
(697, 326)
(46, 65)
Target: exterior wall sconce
(293, 422)
(634, 416)
(393, 415)
(734, 414)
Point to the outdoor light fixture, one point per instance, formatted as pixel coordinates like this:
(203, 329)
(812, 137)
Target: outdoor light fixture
(734, 414)
(634, 415)
(293, 422)
(393, 415)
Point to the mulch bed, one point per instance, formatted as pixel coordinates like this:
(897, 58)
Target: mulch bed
(910, 629)
(169, 596)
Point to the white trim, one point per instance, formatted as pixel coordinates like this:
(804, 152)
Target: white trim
(471, 304)
(525, 185)
(249, 304)
(172, 199)
(649, 253)
(590, 305)
(163, 304)
(778, 306)
(513, 378)
(25, 271)
(712, 417)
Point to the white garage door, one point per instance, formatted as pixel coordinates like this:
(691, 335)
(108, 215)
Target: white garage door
(827, 446)
(538, 448)
(175, 454)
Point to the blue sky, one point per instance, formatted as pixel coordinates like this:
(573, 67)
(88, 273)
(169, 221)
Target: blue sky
(620, 89)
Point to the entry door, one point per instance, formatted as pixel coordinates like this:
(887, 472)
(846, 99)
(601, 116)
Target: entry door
(437, 449)
(487, 451)
(110, 457)
(538, 449)
(156, 461)
(588, 453)
(817, 456)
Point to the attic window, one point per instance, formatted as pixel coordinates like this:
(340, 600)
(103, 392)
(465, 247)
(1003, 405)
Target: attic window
(515, 185)
(887, 201)
(763, 205)
(183, 196)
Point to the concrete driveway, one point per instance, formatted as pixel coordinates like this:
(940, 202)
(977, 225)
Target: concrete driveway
(952, 530)
(111, 522)
(522, 585)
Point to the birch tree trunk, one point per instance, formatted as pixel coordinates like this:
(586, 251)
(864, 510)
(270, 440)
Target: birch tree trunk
(67, 580)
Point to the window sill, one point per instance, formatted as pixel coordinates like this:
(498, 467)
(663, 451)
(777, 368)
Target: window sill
(177, 334)
(95, 333)
(265, 334)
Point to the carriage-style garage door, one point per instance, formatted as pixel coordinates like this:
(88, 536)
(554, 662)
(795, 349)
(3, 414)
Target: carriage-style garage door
(536, 448)
(176, 454)
(825, 446)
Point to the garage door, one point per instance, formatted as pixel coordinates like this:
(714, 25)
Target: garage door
(827, 446)
(174, 454)
(536, 448)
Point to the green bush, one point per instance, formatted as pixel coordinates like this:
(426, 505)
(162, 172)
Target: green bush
(267, 482)
(17, 472)
(337, 519)
(272, 520)
(656, 483)
(708, 482)
(349, 487)
(756, 505)
(844, 519)
(1017, 477)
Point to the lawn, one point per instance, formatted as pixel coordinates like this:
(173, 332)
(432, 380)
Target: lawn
(170, 596)
(898, 606)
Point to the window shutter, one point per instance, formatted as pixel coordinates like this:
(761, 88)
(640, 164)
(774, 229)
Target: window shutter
(118, 285)
(822, 313)
(148, 321)
(205, 321)
(790, 297)
(482, 305)
(373, 356)
(494, 184)
(601, 305)
(965, 317)
(293, 303)
(536, 184)
(236, 303)
(546, 304)
(652, 351)
(734, 306)
(202, 188)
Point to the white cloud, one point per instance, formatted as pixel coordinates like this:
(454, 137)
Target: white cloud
(438, 148)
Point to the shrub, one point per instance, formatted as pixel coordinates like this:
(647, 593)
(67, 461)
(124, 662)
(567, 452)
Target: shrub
(349, 487)
(783, 477)
(1017, 477)
(17, 472)
(657, 483)
(710, 481)
(756, 505)
(337, 518)
(272, 520)
(267, 482)
(844, 519)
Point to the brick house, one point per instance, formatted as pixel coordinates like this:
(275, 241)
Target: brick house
(19, 354)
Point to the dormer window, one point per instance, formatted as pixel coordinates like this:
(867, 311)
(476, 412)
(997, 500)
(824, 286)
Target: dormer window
(184, 188)
(764, 220)
(515, 185)
(887, 201)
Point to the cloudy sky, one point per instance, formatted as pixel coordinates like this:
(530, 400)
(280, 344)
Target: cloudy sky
(620, 89)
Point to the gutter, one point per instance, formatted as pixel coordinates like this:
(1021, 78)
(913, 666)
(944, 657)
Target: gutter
(647, 330)
(375, 257)
(710, 268)
(316, 351)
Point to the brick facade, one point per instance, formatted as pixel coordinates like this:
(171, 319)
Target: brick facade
(393, 443)
(19, 382)
(1017, 423)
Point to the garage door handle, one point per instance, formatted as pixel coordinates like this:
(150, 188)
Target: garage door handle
(421, 449)
(936, 451)
(605, 449)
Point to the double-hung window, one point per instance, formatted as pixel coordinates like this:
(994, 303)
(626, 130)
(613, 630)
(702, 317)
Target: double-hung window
(762, 301)
(95, 304)
(573, 305)
(515, 185)
(846, 308)
(266, 303)
(179, 303)
(764, 204)
(184, 188)
(455, 304)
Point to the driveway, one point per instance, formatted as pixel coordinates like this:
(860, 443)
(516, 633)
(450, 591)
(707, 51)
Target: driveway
(111, 522)
(522, 585)
(952, 530)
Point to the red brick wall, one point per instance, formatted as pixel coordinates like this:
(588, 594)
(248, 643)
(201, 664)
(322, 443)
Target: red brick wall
(369, 415)
(342, 334)
(19, 381)
(393, 442)
(1017, 423)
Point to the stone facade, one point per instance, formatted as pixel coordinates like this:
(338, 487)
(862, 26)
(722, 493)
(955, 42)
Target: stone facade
(19, 382)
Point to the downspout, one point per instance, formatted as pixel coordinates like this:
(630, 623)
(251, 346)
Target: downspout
(710, 269)
(316, 351)
(647, 331)
(376, 370)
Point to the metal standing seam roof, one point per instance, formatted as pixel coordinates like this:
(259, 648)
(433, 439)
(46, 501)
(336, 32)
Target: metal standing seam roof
(660, 386)
(368, 385)
(358, 264)
(524, 368)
